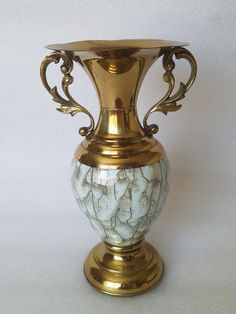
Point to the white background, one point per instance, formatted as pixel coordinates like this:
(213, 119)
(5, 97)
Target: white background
(44, 238)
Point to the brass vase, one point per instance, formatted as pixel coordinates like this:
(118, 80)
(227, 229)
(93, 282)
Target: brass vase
(121, 171)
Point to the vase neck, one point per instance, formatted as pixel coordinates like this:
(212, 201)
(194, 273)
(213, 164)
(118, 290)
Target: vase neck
(117, 81)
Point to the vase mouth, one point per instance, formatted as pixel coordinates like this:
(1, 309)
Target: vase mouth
(104, 45)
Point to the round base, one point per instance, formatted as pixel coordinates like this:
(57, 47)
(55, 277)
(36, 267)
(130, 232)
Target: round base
(123, 271)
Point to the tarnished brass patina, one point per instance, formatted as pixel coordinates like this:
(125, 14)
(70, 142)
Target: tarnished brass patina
(118, 140)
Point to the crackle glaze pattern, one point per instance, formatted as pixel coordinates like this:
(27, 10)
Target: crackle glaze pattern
(121, 203)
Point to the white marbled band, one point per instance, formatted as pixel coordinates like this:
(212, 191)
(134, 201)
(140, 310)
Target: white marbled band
(121, 203)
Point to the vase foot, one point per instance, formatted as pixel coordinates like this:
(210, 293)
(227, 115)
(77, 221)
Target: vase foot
(123, 271)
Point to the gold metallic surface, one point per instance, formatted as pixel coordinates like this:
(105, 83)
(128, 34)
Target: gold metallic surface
(101, 45)
(117, 154)
(168, 102)
(68, 105)
(124, 271)
(117, 69)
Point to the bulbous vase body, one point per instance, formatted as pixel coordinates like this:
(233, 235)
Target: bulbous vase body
(121, 203)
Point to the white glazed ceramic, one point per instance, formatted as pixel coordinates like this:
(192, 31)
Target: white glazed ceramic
(121, 203)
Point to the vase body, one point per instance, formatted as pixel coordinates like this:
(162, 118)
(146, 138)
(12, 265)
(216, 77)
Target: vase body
(120, 171)
(121, 203)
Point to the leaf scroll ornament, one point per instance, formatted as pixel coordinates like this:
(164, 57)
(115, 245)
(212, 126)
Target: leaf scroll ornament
(69, 105)
(169, 103)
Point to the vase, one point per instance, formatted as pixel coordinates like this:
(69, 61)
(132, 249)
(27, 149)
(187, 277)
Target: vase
(120, 170)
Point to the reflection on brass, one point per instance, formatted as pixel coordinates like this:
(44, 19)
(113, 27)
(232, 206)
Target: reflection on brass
(168, 102)
(124, 271)
(68, 105)
(119, 140)
(117, 69)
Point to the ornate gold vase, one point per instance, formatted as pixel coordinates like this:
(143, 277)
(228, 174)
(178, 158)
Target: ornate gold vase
(121, 171)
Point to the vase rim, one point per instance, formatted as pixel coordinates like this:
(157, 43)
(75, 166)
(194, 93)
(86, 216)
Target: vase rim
(101, 45)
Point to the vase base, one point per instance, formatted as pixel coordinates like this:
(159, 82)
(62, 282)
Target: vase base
(123, 271)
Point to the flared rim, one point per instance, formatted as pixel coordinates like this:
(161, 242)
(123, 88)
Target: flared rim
(95, 45)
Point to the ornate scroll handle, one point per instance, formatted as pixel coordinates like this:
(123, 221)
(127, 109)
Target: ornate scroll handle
(68, 105)
(168, 102)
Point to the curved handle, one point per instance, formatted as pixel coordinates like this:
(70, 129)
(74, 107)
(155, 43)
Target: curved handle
(68, 105)
(168, 102)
